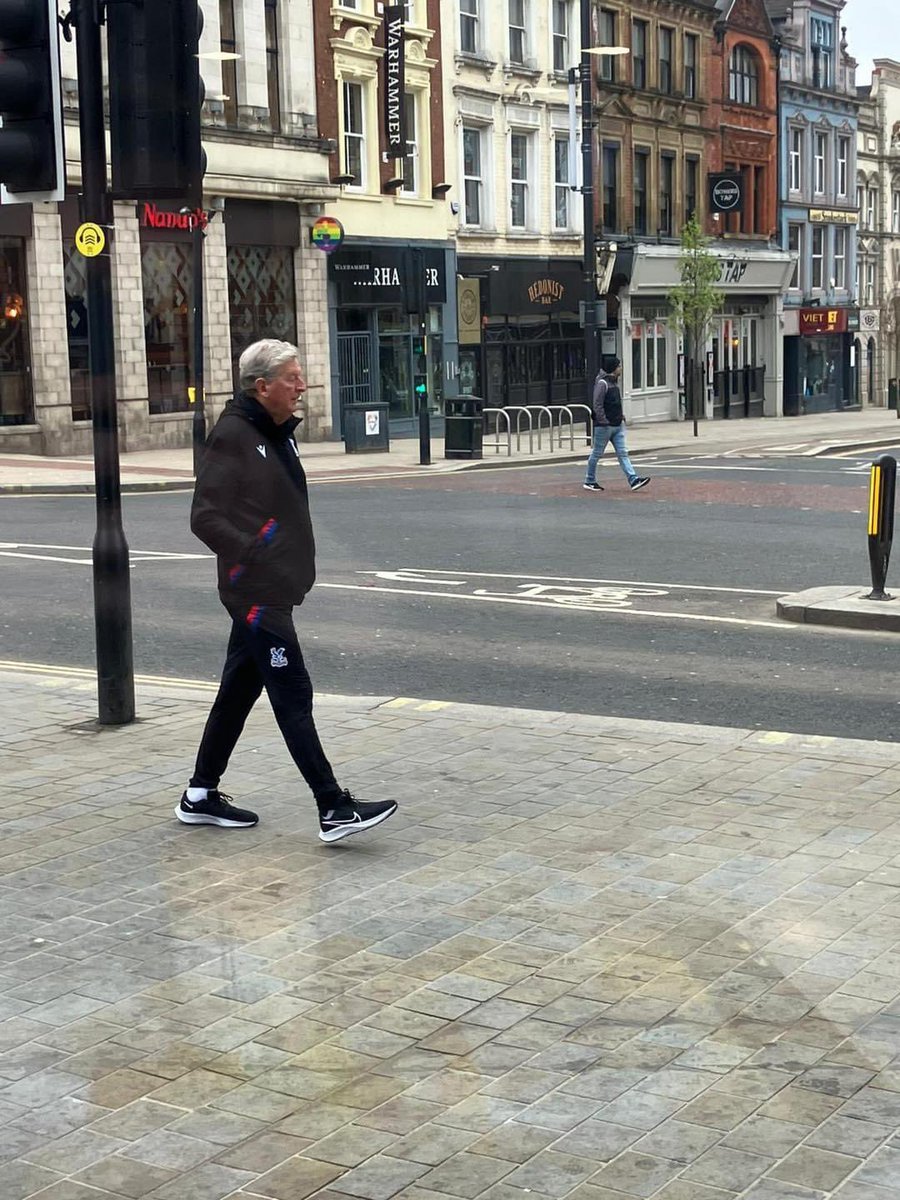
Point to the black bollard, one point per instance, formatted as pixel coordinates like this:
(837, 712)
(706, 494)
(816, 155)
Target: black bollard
(882, 489)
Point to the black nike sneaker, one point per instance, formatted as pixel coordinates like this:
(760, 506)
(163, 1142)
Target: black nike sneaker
(350, 816)
(216, 809)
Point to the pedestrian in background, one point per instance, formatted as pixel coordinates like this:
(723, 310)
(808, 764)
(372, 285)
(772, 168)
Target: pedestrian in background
(251, 507)
(609, 426)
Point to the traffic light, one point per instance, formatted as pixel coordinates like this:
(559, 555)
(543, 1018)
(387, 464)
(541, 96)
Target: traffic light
(155, 95)
(420, 371)
(32, 158)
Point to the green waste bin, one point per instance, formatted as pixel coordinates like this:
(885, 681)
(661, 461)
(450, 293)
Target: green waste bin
(463, 427)
(365, 428)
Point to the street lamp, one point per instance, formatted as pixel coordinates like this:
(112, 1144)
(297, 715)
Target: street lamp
(591, 355)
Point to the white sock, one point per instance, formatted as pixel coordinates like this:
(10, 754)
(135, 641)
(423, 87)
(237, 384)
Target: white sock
(195, 795)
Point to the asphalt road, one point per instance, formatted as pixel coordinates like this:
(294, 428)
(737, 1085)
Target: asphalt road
(514, 587)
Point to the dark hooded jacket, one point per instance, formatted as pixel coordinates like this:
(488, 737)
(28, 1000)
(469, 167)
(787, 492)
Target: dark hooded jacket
(251, 507)
(607, 401)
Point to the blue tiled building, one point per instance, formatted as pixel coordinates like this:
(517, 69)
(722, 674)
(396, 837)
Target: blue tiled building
(817, 202)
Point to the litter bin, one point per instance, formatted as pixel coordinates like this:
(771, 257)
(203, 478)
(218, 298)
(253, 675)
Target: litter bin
(463, 427)
(892, 394)
(365, 428)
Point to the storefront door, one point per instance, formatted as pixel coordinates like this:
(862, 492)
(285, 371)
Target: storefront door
(16, 399)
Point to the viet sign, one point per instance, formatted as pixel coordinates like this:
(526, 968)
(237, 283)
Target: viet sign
(726, 192)
(394, 81)
(823, 320)
(327, 234)
(89, 239)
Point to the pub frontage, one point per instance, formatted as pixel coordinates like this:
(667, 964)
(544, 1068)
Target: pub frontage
(520, 339)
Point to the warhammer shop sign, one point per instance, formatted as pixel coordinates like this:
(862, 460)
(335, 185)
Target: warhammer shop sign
(387, 275)
(394, 81)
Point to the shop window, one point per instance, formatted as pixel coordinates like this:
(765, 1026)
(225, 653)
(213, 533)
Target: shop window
(743, 76)
(272, 70)
(168, 281)
(469, 27)
(607, 22)
(691, 58)
(355, 134)
(473, 182)
(16, 398)
(261, 298)
(228, 46)
(518, 31)
(649, 355)
(75, 277)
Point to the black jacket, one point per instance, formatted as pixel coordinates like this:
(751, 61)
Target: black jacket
(251, 507)
(607, 401)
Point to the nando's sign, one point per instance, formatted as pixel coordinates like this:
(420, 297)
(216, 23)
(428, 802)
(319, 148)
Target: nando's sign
(152, 217)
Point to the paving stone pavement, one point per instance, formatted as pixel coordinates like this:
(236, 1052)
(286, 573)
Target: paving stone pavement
(590, 959)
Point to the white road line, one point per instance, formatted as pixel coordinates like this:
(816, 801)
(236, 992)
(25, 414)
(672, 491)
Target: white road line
(625, 612)
(88, 673)
(683, 587)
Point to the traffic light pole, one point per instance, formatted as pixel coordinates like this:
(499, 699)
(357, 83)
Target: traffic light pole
(112, 585)
(198, 424)
(591, 354)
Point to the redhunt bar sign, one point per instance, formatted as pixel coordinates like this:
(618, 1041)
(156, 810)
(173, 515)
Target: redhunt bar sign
(394, 81)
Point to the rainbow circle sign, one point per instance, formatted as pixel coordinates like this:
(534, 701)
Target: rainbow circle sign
(327, 234)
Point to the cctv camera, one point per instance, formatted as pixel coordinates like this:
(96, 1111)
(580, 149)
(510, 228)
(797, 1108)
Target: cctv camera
(454, 207)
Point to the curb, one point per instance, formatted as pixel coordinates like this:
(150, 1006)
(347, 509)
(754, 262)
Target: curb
(839, 608)
(88, 489)
(888, 440)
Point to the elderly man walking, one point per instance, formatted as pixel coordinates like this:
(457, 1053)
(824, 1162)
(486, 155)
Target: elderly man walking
(251, 507)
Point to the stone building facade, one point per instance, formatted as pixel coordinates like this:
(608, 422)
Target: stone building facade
(267, 181)
(877, 346)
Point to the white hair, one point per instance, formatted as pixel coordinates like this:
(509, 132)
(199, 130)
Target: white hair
(263, 360)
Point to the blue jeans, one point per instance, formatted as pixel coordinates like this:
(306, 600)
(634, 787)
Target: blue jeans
(616, 435)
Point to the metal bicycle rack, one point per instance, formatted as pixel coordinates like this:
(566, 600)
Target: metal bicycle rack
(549, 418)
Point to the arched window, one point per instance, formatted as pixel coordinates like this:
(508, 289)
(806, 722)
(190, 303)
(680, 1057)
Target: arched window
(743, 76)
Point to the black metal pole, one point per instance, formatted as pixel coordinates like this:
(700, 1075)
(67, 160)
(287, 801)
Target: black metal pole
(591, 355)
(112, 585)
(418, 259)
(198, 425)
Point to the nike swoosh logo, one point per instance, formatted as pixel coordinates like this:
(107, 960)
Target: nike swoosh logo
(356, 819)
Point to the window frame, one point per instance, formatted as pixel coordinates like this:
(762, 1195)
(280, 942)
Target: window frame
(470, 21)
(607, 37)
(843, 167)
(690, 74)
(639, 31)
(667, 206)
(561, 187)
(522, 31)
(817, 255)
(610, 153)
(652, 355)
(411, 160)
(477, 179)
(691, 177)
(642, 155)
(795, 159)
(525, 183)
(798, 227)
(895, 209)
(352, 136)
(820, 162)
(560, 41)
(228, 45)
(839, 237)
(665, 63)
(743, 76)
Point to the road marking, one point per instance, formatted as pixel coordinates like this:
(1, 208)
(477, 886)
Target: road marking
(23, 550)
(570, 606)
(417, 575)
(89, 674)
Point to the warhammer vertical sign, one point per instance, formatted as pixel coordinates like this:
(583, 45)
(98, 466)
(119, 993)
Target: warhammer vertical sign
(394, 82)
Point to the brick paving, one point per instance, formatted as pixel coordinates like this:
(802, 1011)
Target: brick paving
(591, 959)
